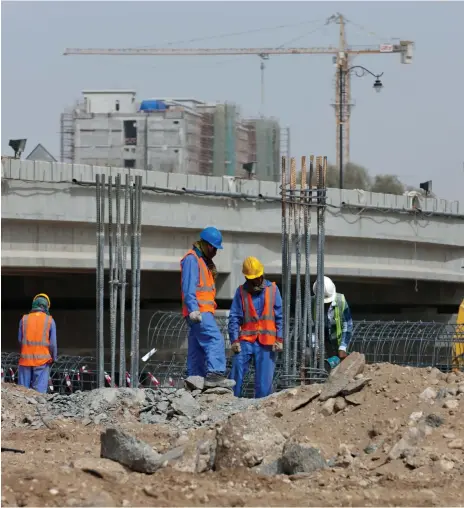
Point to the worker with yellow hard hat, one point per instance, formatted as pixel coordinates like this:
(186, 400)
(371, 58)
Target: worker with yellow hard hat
(255, 328)
(37, 337)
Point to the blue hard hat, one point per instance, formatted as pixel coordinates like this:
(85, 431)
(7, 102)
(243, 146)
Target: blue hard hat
(212, 236)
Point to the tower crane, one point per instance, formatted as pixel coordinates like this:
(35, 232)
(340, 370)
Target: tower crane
(341, 55)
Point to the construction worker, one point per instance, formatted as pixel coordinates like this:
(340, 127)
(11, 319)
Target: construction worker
(338, 321)
(255, 328)
(206, 355)
(37, 336)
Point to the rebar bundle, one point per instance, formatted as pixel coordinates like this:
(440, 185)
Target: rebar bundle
(118, 235)
(304, 352)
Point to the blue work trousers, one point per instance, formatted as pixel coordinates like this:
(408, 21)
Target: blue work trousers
(35, 378)
(206, 349)
(264, 359)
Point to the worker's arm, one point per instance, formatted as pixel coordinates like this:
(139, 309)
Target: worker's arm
(189, 282)
(20, 332)
(278, 315)
(347, 329)
(53, 344)
(235, 317)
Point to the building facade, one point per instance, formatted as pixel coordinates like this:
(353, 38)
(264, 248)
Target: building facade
(112, 128)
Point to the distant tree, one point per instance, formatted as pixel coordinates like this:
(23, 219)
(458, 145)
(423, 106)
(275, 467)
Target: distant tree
(387, 184)
(354, 177)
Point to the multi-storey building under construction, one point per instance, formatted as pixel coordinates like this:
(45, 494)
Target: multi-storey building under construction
(173, 135)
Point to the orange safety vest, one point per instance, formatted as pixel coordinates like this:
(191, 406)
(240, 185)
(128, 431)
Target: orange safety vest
(254, 327)
(35, 346)
(206, 289)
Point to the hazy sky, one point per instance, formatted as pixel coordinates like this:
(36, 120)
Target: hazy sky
(414, 128)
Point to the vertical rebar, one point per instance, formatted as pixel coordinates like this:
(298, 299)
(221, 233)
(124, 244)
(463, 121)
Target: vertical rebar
(289, 262)
(285, 315)
(297, 222)
(320, 318)
(133, 278)
(98, 271)
(137, 267)
(305, 211)
(111, 276)
(308, 297)
(117, 270)
(122, 287)
(101, 331)
(322, 209)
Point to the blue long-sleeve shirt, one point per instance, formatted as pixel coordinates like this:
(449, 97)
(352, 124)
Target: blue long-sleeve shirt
(189, 281)
(236, 311)
(52, 336)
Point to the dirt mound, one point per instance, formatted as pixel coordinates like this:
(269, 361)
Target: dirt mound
(385, 435)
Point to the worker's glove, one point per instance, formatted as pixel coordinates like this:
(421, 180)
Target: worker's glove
(195, 316)
(236, 348)
(277, 347)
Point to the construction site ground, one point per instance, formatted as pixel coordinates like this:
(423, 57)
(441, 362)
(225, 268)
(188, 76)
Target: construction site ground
(396, 441)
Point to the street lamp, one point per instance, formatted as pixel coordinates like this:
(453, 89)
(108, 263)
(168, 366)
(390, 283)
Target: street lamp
(359, 71)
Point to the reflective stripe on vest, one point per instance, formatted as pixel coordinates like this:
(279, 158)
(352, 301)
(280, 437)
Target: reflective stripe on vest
(254, 327)
(206, 288)
(35, 344)
(340, 304)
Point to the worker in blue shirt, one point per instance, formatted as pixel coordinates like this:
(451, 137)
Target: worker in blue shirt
(338, 321)
(206, 356)
(37, 337)
(255, 328)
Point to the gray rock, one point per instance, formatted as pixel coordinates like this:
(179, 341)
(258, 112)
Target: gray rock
(217, 390)
(451, 404)
(433, 420)
(328, 407)
(129, 451)
(340, 404)
(301, 458)
(247, 439)
(355, 386)
(186, 405)
(271, 469)
(342, 375)
(99, 418)
(195, 383)
(152, 418)
(407, 445)
(162, 406)
(428, 394)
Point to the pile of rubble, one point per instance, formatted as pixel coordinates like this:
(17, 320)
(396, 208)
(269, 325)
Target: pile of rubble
(372, 434)
(184, 408)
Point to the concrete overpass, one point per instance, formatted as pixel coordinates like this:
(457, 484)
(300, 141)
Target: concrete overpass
(386, 257)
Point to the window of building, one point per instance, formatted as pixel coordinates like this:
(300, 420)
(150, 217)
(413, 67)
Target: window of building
(129, 163)
(130, 132)
(117, 106)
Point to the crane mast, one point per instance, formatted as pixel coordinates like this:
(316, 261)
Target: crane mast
(342, 54)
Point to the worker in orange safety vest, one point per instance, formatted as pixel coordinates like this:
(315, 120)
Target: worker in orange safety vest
(255, 328)
(206, 356)
(37, 337)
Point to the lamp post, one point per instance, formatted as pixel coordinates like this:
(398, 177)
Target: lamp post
(359, 71)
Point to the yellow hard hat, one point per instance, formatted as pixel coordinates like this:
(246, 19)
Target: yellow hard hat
(252, 268)
(43, 295)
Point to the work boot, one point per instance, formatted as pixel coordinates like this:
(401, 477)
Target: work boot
(214, 380)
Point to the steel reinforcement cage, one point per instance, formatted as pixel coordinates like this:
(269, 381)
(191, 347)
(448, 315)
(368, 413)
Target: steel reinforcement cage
(414, 344)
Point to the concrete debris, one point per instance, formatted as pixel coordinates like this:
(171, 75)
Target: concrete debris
(129, 451)
(193, 383)
(451, 404)
(328, 407)
(407, 445)
(185, 404)
(340, 404)
(247, 439)
(342, 375)
(301, 458)
(428, 395)
(355, 386)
